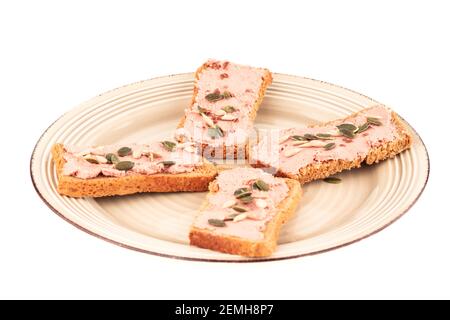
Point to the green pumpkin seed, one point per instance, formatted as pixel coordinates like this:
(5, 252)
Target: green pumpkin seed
(227, 94)
(219, 130)
(241, 190)
(299, 138)
(112, 158)
(332, 180)
(347, 126)
(124, 151)
(243, 195)
(374, 121)
(167, 163)
(124, 165)
(261, 185)
(212, 132)
(239, 209)
(215, 132)
(329, 146)
(229, 109)
(324, 136)
(309, 136)
(363, 127)
(246, 199)
(169, 145)
(108, 157)
(202, 110)
(91, 160)
(347, 133)
(230, 217)
(217, 223)
(213, 97)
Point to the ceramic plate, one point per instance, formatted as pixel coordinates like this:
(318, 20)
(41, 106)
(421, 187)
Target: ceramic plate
(329, 216)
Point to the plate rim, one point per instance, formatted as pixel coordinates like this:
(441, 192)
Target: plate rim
(244, 260)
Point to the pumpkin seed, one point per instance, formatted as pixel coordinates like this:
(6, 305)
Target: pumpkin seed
(332, 180)
(229, 109)
(101, 159)
(324, 136)
(136, 154)
(261, 185)
(227, 94)
(374, 121)
(239, 209)
(124, 151)
(152, 155)
(299, 143)
(215, 132)
(347, 126)
(213, 97)
(169, 145)
(313, 144)
(363, 127)
(229, 117)
(91, 160)
(112, 158)
(220, 113)
(309, 136)
(167, 163)
(230, 217)
(299, 138)
(329, 146)
(347, 133)
(202, 110)
(217, 223)
(240, 190)
(212, 132)
(246, 199)
(243, 195)
(240, 217)
(124, 165)
(208, 120)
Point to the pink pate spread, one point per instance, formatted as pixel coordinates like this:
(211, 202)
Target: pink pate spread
(76, 164)
(253, 226)
(271, 150)
(243, 82)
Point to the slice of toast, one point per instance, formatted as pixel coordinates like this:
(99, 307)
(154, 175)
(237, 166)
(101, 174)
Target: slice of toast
(325, 164)
(235, 242)
(101, 186)
(240, 87)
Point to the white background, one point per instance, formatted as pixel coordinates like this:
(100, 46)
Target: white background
(55, 55)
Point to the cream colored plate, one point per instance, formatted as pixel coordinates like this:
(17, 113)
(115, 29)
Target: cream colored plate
(329, 215)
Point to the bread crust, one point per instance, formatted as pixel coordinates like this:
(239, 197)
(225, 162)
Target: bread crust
(235, 245)
(196, 180)
(236, 150)
(328, 168)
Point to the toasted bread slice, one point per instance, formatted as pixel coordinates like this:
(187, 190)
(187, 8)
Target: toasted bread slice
(102, 186)
(315, 170)
(223, 149)
(204, 237)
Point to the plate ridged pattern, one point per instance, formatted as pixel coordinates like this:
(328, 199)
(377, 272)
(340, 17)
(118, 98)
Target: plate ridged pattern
(329, 216)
